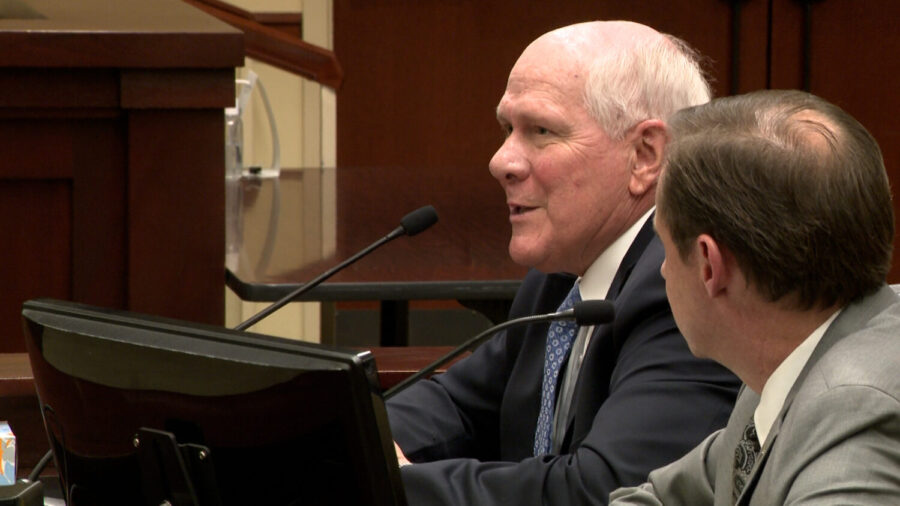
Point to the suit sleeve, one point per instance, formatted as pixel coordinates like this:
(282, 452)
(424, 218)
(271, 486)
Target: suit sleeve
(456, 414)
(687, 481)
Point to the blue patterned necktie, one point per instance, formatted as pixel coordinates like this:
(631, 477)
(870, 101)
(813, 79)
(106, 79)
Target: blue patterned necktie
(559, 342)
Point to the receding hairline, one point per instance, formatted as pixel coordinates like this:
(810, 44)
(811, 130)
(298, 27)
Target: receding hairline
(787, 152)
(579, 46)
(585, 42)
(811, 128)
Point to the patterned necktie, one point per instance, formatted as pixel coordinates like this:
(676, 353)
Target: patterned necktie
(559, 341)
(744, 458)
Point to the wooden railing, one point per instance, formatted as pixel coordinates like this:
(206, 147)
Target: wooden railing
(267, 43)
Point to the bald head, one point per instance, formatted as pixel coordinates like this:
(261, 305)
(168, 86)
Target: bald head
(786, 126)
(623, 72)
(585, 42)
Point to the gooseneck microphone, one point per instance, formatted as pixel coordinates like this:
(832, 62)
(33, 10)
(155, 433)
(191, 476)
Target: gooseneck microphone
(587, 312)
(411, 224)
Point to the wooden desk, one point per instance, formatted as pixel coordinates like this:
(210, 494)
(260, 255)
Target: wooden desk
(112, 142)
(297, 226)
(19, 404)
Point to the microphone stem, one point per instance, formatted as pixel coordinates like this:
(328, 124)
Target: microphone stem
(397, 232)
(459, 350)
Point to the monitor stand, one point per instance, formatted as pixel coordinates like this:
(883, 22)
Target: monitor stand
(175, 474)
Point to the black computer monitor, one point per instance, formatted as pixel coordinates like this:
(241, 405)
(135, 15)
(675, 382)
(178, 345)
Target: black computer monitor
(141, 409)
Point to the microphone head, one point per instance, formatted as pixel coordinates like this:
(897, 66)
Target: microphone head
(594, 312)
(419, 220)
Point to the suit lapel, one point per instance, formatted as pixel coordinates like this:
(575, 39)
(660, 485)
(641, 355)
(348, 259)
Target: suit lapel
(634, 253)
(852, 319)
(601, 332)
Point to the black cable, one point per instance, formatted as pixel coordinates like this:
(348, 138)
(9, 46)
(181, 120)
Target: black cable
(36, 472)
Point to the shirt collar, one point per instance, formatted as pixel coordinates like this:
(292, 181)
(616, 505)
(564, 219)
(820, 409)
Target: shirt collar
(779, 384)
(599, 276)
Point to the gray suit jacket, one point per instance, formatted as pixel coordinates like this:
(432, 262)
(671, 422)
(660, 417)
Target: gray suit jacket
(836, 440)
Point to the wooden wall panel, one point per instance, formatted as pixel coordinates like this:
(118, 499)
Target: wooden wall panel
(176, 192)
(35, 217)
(422, 78)
(99, 257)
(852, 61)
(112, 142)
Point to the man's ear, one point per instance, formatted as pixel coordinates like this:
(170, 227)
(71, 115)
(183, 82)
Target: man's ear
(648, 139)
(715, 271)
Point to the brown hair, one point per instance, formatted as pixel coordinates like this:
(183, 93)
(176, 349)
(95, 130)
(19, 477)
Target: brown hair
(791, 185)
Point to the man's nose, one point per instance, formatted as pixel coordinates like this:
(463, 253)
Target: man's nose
(509, 163)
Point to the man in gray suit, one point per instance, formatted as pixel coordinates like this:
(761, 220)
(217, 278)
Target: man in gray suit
(775, 215)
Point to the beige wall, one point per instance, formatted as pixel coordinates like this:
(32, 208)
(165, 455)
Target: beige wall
(305, 114)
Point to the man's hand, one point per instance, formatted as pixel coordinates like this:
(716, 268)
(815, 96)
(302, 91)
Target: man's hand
(401, 459)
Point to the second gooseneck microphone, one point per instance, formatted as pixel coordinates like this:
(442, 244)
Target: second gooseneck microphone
(411, 224)
(587, 312)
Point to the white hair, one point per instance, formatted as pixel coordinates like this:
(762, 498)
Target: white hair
(654, 80)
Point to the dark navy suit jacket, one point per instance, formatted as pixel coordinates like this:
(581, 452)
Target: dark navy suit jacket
(641, 401)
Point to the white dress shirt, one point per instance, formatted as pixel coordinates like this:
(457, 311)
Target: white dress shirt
(779, 384)
(593, 285)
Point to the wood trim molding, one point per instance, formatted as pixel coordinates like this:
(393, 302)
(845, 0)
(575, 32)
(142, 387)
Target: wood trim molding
(290, 23)
(264, 42)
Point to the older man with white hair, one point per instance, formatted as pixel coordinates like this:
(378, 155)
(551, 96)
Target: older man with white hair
(559, 414)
